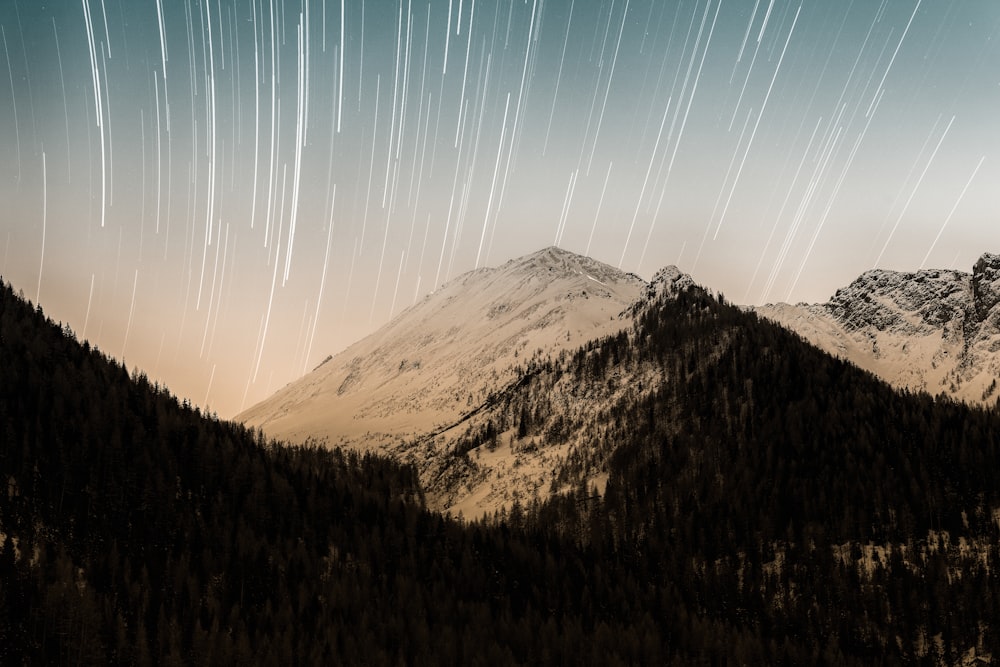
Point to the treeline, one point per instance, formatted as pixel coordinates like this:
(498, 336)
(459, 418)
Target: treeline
(765, 504)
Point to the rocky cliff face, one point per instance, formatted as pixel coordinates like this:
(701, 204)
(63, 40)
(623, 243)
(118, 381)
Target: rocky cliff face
(931, 330)
(986, 285)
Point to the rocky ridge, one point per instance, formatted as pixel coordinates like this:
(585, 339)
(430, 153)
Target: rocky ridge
(931, 330)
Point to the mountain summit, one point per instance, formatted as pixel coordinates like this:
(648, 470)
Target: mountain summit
(934, 330)
(445, 355)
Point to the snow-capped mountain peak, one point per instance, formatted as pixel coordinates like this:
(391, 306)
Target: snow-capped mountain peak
(446, 354)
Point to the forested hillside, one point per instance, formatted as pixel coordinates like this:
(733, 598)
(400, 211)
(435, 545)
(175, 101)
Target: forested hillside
(783, 491)
(764, 504)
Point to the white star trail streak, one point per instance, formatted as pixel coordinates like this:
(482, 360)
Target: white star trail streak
(274, 134)
(227, 260)
(371, 165)
(142, 150)
(340, 77)
(107, 35)
(555, 94)
(913, 192)
(159, 156)
(211, 379)
(421, 119)
(45, 209)
(645, 182)
(952, 211)
(909, 174)
(212, 144)
(163, 38)
(405, 93)
(756, 125)
(895, 53)
(697, 79)
(753, 59)
(729, 169)
(267, 317)
(743, 44)
(361, 56)
(131, 311)
(90, 299)
(607, 90)
(211, 298)
(493, 184)
(564, 215)
(395, 291)
(784, 204)
(395, 93)
(110, 149)
(848, 163)
(256, 118)
(13, 101)
(322, 281)
(99, 114)
(62, 86)
(465, 69)
(299, 145)
(597, 213)
(520, 101)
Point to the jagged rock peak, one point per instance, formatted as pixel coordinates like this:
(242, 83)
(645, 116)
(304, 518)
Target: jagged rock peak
(882, 298)
(666, 284)
(986, 284)
(936, 330)
(878, 296)
(670, 281)
(554, 259)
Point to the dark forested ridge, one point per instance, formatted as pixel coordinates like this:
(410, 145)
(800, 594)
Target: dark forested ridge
(787, 493)
(137, 531)
(765, 504)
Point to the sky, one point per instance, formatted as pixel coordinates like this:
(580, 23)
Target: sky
(224, 192)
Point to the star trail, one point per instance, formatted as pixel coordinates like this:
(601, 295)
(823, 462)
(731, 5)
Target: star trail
(224, 192)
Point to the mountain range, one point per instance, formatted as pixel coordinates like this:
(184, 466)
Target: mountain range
(433, 388)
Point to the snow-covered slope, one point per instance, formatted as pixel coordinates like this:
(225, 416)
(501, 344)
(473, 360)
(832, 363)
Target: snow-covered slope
(932, 330)
(439, 386)
(490, 460)
(442, 358)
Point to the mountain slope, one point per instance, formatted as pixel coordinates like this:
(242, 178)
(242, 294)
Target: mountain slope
(930, 330)
(445, 357)
(437, 359)
(538, 436)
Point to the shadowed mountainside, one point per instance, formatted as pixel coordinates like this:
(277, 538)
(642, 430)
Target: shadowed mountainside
(763, 503)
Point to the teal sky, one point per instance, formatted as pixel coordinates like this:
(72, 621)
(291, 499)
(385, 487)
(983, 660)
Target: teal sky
(226, 191)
